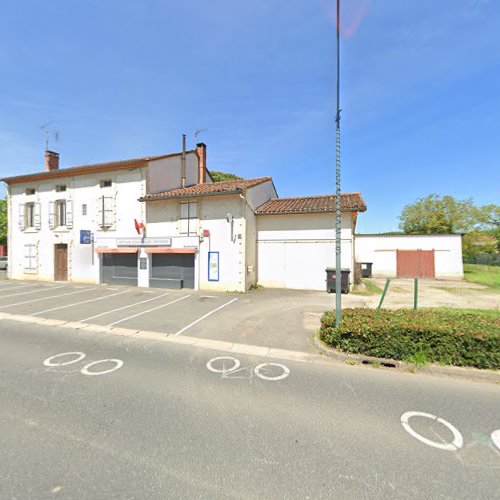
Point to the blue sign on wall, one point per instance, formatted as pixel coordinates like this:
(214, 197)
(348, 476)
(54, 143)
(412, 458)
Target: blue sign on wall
(213, 266)
(85, 237)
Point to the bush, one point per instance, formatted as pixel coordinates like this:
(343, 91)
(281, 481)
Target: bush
(453, 337)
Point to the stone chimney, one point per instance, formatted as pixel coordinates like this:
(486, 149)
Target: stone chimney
(51, 160)
(201, 149)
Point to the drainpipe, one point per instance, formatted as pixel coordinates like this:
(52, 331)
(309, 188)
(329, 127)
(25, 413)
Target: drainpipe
(183, 160)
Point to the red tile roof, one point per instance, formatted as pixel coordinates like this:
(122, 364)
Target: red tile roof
(210, 188)
(349, 202)
(89, 169)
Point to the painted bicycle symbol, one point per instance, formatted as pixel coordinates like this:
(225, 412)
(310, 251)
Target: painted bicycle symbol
(229, 367)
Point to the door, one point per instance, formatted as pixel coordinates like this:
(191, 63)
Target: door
(172, 270)
(415, 264)
(61, 262)
(119, 268)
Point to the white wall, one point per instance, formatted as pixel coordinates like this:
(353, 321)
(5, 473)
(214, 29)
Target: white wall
(127, 187)
(166, 173)
(163, 221)
(258, 195)
(381, 251)
(294, 249)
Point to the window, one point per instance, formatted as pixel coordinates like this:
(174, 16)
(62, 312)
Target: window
(60, 213)
(189, 215)
(30, 258)
(84, 209)
(29, 215)
(30, 191)
(60, 188)
(106, 183)
(105, 211)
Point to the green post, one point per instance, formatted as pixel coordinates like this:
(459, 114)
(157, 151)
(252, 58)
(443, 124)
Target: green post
(415, 294)
(386, 286)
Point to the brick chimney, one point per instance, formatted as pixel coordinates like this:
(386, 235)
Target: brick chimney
(51, 160)
(201, 149)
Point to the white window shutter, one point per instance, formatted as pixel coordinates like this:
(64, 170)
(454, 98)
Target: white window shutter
(21, 217)
(193, 210)
(99, 211)
(37, 221)
(52, 214)
(184, 210)
(69, 214)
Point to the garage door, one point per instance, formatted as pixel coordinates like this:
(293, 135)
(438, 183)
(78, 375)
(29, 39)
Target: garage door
(172, 270)
(119, 268)
(415, 264)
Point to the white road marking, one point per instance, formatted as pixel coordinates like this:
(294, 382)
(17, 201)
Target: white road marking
(495, 437)
(32, 291)
(456, 444)
(124, 307)
(147, 311)
(85, 369)
(49, 362)
(224, 370)
(204, 316)
(45, 298)
(77, 303)
(286, 371)
(16, 286)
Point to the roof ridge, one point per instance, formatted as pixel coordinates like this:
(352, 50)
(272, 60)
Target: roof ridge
(313, 196)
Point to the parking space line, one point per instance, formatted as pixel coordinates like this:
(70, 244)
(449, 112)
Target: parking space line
(78, 303)
(16, 286)
(45, 298)
(205, 316)
(33, 291)
(149, 310)
(124, 307)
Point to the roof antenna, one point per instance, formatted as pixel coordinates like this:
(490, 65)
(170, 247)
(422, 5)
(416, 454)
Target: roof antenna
(46, 129)
(197, 132)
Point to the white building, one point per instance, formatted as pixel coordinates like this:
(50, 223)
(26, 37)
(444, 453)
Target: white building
(411, 255)
(79, 224)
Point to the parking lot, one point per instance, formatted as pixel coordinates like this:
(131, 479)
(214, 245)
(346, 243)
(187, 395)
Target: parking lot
(273, 318)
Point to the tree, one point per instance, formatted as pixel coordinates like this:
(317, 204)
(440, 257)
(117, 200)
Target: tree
(437, 215)
(223, 176)
(3, 222)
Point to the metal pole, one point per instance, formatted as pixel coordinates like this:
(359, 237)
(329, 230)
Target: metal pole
(415, 294)
(387, 281)
(338, 265)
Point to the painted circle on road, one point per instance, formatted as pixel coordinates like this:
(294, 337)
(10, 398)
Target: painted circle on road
(224, 369)
(458, 440)
(50, 362)
(258, 372)
(495, 437)
(118, 364)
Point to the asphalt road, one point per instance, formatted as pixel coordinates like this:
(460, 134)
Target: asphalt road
(162, 425)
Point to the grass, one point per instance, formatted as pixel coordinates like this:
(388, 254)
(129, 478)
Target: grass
(483, 275)
(370, 288)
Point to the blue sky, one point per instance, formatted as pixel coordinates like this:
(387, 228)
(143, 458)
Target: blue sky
(120, 79)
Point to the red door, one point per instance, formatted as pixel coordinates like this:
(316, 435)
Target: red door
(415, 264)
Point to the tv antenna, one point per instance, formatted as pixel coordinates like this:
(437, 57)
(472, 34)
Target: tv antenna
(47, 129)
(199, 131)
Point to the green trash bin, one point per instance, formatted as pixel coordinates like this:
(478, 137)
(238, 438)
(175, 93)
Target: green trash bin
(331, 278)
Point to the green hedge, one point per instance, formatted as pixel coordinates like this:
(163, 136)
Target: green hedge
(452, 337)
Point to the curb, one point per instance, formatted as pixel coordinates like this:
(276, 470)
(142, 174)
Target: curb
(468, 373)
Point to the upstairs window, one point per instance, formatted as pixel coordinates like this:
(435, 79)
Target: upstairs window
(60, 188)
(60, 213)
(106, 183)
(29, 215)
(105, 211)
(30, 191)
(189, 216)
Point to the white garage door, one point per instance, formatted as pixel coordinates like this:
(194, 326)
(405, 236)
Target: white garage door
(296, 264)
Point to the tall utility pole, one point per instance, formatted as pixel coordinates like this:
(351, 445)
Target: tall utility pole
(338, 220)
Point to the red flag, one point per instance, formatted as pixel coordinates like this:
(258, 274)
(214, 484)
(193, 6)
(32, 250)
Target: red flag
(137, 227)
